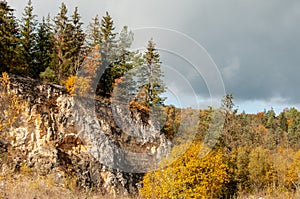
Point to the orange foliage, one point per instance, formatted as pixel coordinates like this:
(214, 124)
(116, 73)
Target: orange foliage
(289, 121)
(262, 128)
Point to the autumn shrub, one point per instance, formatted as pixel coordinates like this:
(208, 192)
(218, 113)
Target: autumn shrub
(11, 106)
(188, 176)
(78, 86)
(294, 172)
(260, 168)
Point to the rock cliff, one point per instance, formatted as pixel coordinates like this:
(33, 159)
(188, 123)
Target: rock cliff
(98, 143)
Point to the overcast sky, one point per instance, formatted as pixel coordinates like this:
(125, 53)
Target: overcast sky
(255, 44)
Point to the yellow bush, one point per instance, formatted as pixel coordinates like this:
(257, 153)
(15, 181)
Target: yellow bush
(11, 105)
(78, 86)
(294, 171)
(69, 84)
(189, 176)
(261, 171)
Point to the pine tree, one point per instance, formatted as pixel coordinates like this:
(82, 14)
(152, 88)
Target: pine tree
(78, 38)
(124, 68)
(63, 44)
(150, 80)
(94, 34)
(28, 41)
(108, 44)
(69, 40)
(123, 62)
(45, 44)
(9, 39)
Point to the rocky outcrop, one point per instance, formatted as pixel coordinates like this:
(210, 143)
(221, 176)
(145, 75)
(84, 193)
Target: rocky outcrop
(93, 141)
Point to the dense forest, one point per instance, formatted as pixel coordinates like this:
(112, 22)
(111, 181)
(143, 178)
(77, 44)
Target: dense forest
(255, 154)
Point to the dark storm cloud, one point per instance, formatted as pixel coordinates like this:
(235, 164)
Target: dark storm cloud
(256, 44)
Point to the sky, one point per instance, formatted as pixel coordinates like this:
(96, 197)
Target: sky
(250, 48)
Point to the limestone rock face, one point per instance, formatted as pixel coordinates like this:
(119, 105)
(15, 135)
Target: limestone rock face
(98, 143)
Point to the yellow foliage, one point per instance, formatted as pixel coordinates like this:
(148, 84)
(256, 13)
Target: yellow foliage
(70, 181)
(11, 105)
(69, 84)
(189, 176)
(289, 122)
(24, 169)
(139, 106)
(262, 128)
(261, 171)
(81, 85)
(282, 161)
(294, 171)
(78, 86)
(4, 80)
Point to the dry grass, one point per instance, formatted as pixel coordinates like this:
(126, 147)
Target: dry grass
(273, 195)
(26, 187)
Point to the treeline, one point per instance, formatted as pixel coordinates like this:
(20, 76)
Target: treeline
(55, 49)
(255, 154)
(28, 47)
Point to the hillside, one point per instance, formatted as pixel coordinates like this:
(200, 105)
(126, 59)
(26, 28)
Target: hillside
(55, 143)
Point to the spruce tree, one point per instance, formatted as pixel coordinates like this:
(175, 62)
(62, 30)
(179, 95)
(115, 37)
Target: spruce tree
(108, 44)
(68, 43)
(124, 58)
(121, 70)
(45, 44)
(93, 34)
(78, 38)
(9, 39)
(28, 41)
(149, 77)
(62, 44)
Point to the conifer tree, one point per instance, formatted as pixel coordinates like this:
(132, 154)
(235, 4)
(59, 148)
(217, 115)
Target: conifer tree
(115, 56)
(108, 44)
(93, 34)
(28, 41)
(63, 44)
(45, 44)
(69, 40)
(150, 76)
(78, 38)
(124, 58)
(9, 39)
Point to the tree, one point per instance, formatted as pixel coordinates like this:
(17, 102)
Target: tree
(69, 39)
(125, 60)
(84, 83)
(108, 44)
(150, 82)
(260, 169)
(28, 41)
(93, 37)
(188, 176)
(45, 45)
(227, 103)
(9, 39)
(270, 116)
(78, 38)
(62, 43)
